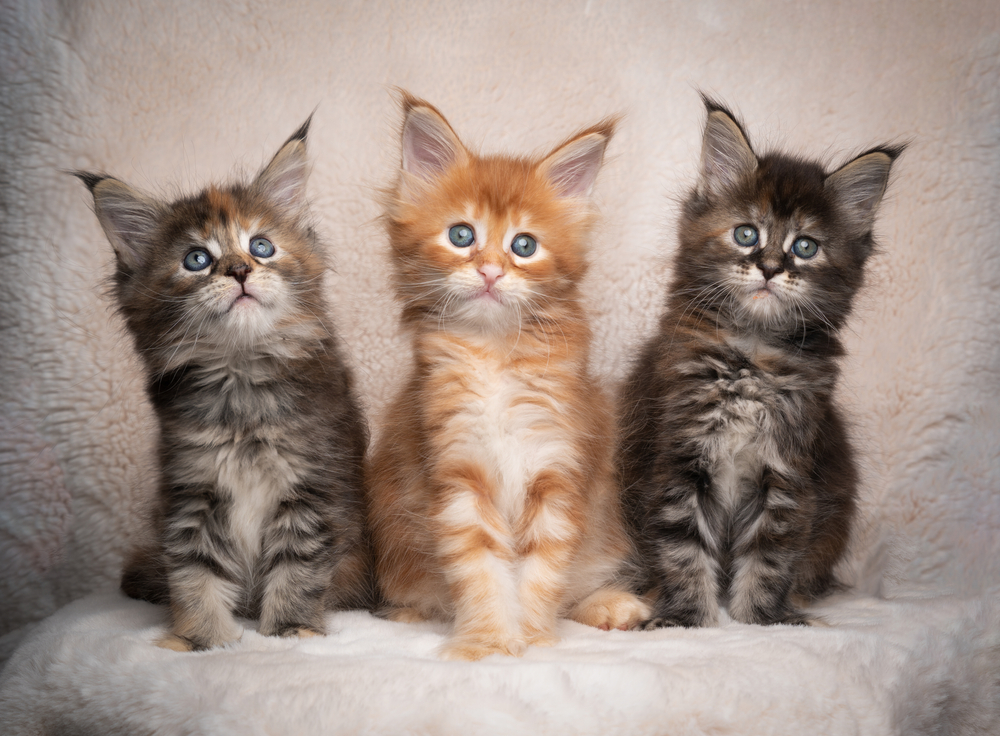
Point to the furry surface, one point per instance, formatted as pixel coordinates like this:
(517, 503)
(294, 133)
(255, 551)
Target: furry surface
(168, 97)
(906, 666)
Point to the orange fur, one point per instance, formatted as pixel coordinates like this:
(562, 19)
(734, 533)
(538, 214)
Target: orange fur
(492, 500)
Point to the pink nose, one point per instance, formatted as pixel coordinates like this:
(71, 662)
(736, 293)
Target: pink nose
(490, 273)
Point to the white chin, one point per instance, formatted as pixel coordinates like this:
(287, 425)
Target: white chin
(486, 311)
(765, 304)
(249, 320)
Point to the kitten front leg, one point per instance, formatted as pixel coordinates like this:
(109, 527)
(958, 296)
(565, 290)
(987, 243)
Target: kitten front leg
(768, 542)
(682, 542)
(547, 541)
(297, 565)
(477, 560)
(201, 606)
(203, 591)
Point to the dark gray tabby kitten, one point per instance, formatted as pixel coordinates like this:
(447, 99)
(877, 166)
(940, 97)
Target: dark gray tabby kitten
(739, 479)
(261, 441)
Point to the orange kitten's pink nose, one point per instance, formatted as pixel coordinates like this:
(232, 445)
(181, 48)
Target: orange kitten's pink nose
(490, 273)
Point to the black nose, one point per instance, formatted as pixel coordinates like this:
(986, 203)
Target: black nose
(769, 271)
(239, 272)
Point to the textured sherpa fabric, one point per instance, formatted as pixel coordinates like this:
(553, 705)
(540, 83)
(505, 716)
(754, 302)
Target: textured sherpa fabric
(170, 96)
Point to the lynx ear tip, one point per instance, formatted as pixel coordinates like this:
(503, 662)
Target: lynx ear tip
(90, 179)
(711, 104)
(303, 130)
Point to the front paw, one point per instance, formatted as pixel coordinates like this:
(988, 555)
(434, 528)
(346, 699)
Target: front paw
(402, 614)
(177, 643)
(470, 649)
(302, 632)
(666, 622)
(611, 609)
(541, 638)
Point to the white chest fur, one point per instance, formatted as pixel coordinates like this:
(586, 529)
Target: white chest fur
(515, 428)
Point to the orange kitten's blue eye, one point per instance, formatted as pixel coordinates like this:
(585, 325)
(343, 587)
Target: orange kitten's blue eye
(462, 235)
(805, 247)
(197, 260)
(523, 245)
(261, 248)
(746, 235)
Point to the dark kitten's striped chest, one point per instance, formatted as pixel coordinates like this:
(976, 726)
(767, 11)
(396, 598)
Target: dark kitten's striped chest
(751, 408)
(225, 397)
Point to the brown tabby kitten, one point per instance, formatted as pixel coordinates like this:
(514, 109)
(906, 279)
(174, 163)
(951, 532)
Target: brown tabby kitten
(493, 501)
(261, 442)
(740, 481)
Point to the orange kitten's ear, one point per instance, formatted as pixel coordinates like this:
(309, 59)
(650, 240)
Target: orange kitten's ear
(572, 168)
(129, 218)
(726, 155)
(283, 180)
(430, 146)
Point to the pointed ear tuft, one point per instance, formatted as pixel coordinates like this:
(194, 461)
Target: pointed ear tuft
(860, 184)
(726, 154)
(572, 167)
(430, 146)
(303, 131)
(283, 180)
(88, 178)
(129, 218)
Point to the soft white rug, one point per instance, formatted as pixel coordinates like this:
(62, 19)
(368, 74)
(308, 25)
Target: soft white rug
(907, 666)
(170, 96)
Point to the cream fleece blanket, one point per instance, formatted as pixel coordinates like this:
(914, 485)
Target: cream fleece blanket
(171, 96)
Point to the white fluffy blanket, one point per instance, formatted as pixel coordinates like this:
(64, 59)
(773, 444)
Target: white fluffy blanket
(905, 666)
(170, 96)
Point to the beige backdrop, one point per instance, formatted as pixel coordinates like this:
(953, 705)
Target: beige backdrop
(169, 96)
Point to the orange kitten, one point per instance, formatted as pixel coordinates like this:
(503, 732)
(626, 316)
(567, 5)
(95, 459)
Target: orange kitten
(492, 500)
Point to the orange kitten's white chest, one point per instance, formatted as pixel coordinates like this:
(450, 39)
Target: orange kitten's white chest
(507, 418)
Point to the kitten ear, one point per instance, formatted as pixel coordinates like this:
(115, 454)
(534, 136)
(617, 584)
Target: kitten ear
(283, 180)
(572, 168)
(726, 155)
(430, 146)
(859, 184)
(129, 218)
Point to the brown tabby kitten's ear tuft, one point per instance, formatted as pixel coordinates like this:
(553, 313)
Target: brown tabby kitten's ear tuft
(726, 154)
(430, 146)
(860, 184)
(283, 180)
(572, 167)
(128, 217)
(88, 178)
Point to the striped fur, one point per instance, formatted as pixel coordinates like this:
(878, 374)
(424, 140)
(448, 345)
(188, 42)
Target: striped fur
(738, 474)
(492, 494)
(261, 443)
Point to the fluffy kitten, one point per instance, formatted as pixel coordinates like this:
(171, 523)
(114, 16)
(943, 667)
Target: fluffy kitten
(261, 442)
(492, 494)
(740, 481)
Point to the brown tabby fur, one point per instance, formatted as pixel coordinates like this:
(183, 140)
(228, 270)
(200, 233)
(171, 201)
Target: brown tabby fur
(260, 502)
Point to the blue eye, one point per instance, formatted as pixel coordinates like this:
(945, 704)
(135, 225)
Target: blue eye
(261, 248)
(461, 236)
(523, 245)
(805, 247)
(197, 260)
(746, 235)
